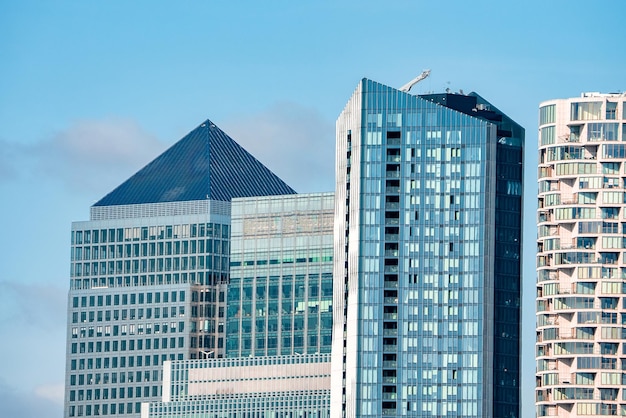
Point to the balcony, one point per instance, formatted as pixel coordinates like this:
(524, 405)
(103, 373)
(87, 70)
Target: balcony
(391, 269)
(390, 348)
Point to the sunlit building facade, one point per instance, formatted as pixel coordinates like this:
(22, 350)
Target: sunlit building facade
(149, 272)
(427, 257)
(279, 318)
(265, 387)
(281, 285)
(581, 356)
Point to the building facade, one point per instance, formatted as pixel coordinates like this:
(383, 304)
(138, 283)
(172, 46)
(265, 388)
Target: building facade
(149, 272)
(204, 272)
(426, 309)
(279, 318)
(261, 387)
(281, 285)
(581, 269)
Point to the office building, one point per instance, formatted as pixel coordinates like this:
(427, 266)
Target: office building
(279, 318)
(426, 308)
(268, 387)
(281, 285)
(149, 272)
(206, 273)
(581, 356)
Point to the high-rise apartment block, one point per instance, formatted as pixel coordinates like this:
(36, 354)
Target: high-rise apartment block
(398, 295)
(580, 349)
(427, 257)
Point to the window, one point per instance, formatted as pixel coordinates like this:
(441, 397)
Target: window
(614, 151)
(602, 131)
(586, 111)
(611, 110)
(547, 114)
(547, 135)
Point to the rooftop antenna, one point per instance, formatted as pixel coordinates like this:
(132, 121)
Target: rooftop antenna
(416, 80)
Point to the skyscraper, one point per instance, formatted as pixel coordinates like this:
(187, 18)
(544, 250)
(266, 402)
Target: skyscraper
(426, 309)
(281, 284)
(425, 281)
(581, 269)
(279, 318)
(149, 272)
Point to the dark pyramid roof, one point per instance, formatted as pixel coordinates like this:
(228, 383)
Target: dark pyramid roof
(205, 164)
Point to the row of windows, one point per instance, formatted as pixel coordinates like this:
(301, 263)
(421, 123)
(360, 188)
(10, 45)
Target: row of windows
(116, 378)
(287, 260)
(151, 265)
(274, 404)
(195, 277)
(585, 111)
(112, 393)
(122, 361)
(299, 290)
(104, 409)
(125, 314)
(128, 299)
(152, 249)
(123, 345)
(270, 324)
(128, 329)
(583, 333)
(125, 329)
(582, 409)
(583, 198)
(96, 236)
(585, 378)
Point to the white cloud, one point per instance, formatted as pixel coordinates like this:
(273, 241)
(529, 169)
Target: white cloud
(51, 391)
(16, 403)
(35, 305)
(10, 154)
(32, 323)
(293, 141)
(96, 154)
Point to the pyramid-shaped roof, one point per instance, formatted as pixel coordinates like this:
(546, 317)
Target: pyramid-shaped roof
(205, 164)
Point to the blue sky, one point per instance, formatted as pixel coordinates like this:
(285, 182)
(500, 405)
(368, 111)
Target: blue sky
(91, 91)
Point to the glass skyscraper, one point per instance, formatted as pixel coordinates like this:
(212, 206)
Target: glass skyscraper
(281, 285)
(279, 318)
(207, 272)
(581, 315)
(149, 272)
(428, 212)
